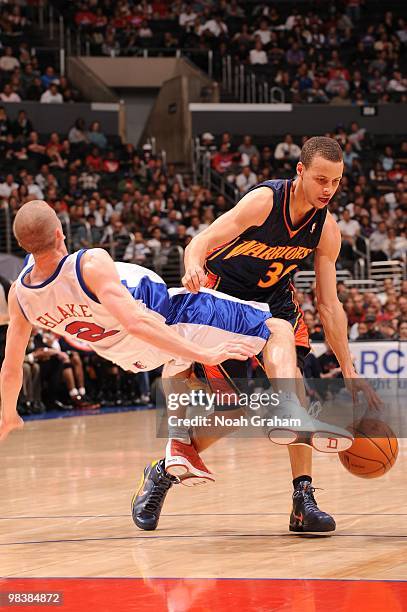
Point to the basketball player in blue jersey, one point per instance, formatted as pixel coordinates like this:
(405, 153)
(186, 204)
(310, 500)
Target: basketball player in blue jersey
(126, 313)
(262, 240)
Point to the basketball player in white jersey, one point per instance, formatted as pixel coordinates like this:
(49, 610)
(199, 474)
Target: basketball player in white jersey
(119, 309)
(128, 316)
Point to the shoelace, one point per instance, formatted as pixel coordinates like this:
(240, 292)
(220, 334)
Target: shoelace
(309, 499)
(315, 409)
(160, 489)
(156, 495)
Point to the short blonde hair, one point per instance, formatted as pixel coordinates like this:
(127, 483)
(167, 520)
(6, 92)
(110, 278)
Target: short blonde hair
(34, 227)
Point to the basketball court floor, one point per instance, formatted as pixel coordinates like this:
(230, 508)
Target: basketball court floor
(66, 486)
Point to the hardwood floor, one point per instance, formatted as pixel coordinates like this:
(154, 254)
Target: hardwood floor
(66, 486)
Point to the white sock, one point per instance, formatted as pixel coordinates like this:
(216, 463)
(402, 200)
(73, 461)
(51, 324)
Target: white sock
(82, 391)
(179, 434)
(183, 440)
(74, 392)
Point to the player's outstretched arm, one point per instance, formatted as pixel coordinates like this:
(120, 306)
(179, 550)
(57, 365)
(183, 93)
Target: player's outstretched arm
(331, 312)
(252, 210)
(18, 336)
(101, 277)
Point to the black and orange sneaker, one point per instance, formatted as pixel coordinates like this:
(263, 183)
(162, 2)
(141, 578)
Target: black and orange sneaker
(82, 402)
(306, 517)
(182, 460)
(147, 502)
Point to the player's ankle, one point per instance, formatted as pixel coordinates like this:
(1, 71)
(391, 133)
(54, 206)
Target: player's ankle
(183, 439)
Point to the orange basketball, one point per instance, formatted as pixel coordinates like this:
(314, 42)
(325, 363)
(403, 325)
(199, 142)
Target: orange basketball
(374, 450)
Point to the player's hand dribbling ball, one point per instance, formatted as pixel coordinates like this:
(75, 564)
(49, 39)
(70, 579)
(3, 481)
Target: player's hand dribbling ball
(374, 451)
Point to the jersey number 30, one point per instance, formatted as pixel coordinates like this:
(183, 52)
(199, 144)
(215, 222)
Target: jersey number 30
(275, 273)
(89, 332)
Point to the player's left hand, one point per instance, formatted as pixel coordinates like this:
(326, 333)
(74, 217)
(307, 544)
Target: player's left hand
(356, 384)
(239, 351)
(194, 278)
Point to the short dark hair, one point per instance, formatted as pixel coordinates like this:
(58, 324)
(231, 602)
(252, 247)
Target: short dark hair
(328, 148)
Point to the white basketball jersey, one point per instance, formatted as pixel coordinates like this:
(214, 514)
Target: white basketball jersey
(64, 305)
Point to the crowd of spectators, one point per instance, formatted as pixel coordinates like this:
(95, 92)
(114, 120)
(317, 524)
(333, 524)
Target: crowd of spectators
(371, 316)
(340, 53)
(106, 193)
(26, 73)
(20, 80)
(133, 204)
(23, 78)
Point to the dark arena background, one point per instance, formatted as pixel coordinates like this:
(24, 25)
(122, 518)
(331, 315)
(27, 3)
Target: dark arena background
(140, 124)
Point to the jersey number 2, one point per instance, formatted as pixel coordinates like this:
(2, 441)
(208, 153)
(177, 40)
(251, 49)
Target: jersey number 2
(89, 332)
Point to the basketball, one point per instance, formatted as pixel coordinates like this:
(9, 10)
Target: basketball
(374, 451)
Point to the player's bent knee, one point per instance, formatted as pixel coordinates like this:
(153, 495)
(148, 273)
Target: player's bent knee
(276, 325)
(167, 373)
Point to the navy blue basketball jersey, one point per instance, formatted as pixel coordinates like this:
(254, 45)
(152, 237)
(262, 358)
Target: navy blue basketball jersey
(259, 264)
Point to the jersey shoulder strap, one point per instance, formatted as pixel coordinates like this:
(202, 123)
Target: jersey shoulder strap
(281, 189)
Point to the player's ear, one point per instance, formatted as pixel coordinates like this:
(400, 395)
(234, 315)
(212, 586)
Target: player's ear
(300, 168)
(59, 234)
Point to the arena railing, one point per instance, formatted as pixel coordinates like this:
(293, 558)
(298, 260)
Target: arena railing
(202, 58)
(362, 257)
(171, 267)
(5, 228)
(74, 41)
(209, 178)
(50, 22)
(304, 279)
(393, 268)
(362, 285)
(51, 56)
(242, 82)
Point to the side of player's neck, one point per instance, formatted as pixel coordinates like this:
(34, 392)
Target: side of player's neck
(299, 206)
(45, 265)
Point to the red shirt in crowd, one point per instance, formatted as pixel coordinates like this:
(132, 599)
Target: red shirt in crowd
(222, 161)
(110, 165)
(95, 162)
(85, 18)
